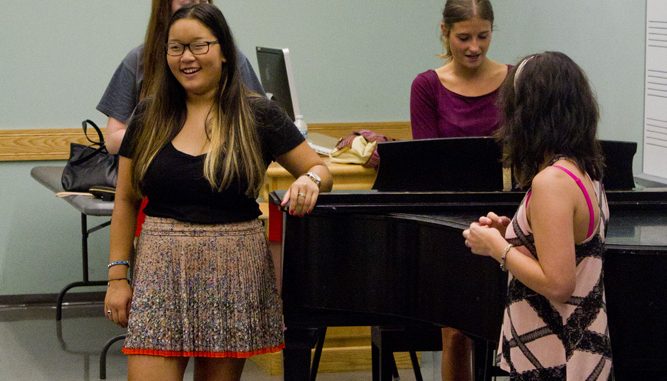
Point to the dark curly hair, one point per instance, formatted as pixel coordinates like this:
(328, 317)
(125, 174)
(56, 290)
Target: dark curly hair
(548, 110)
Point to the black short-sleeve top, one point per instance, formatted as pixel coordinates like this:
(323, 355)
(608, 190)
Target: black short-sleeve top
(175, 184)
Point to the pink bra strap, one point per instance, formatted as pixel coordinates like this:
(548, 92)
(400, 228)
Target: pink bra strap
(591, 213)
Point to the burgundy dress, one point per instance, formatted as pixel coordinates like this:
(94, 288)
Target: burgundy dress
(436, 112)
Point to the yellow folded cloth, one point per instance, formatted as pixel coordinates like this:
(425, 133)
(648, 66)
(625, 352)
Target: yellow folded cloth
(358, 151)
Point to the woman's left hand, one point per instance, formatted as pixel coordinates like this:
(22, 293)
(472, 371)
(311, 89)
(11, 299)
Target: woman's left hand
(483, 239)
(301, 196)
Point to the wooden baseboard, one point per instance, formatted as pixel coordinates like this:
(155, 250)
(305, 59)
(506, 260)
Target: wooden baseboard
(333, 360)
(53, 144)
(346, 349)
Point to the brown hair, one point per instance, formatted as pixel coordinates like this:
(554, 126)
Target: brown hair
(462, 10)
(548, 110)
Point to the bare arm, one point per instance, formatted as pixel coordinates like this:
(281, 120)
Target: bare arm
(302, 194)
(123, 223)
(551, 213)
(115, 133)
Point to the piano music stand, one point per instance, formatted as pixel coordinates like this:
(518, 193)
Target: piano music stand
(618, 173)
(446, 164)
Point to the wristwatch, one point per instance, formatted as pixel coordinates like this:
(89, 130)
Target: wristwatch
(313, 176)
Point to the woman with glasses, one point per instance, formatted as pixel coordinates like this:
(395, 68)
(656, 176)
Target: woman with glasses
(203, 283)
(134, 77)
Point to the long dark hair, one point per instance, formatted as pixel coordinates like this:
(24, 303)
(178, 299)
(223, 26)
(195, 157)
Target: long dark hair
(548, 110)
(234, 152)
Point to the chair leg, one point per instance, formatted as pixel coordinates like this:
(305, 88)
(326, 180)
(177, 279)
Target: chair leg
(321, 334)
(415, 366)
(103, 355)
(394, 368)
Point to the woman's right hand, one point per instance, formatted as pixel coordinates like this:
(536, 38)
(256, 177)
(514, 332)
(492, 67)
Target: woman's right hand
(117, 302)
(495, 221)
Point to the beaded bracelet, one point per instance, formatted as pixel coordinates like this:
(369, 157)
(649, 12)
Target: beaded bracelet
(504, 257)
(116, 263)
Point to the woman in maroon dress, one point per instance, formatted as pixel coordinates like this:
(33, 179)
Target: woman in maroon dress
(454, 100)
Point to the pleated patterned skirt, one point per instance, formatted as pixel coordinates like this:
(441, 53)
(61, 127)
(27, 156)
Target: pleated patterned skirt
(203, 291)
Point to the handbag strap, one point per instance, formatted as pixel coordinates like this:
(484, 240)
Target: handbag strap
(101, 147)
(100, 136)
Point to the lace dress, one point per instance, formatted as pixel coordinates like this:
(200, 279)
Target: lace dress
(546, 340)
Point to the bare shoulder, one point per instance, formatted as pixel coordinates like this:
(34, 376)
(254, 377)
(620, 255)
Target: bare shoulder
(548, 177)
(552, 199)
(552, 182)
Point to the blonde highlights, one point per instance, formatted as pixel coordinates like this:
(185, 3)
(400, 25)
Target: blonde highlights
(235, 149)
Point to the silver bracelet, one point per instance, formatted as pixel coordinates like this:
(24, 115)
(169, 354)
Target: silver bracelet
(117, 263)
(503, 267)
(314, 177)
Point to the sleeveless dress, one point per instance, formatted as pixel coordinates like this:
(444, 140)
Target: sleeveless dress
(546, 340)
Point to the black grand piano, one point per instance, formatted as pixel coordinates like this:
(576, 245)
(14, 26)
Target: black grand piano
(394, 257)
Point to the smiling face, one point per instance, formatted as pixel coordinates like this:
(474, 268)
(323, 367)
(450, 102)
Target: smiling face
(469, 41)
(198, 74)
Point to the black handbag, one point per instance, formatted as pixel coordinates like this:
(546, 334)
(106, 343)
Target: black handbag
(91, 165)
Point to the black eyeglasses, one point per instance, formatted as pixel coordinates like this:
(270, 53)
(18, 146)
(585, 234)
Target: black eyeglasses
(197, 48)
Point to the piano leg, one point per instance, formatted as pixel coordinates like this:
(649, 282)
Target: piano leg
(480, 359)
(296, 355)
(485, 370)
(382, 359)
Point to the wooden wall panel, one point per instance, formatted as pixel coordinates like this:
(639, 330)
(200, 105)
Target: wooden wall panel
(35, 145)
(53, 144)
(396, 130)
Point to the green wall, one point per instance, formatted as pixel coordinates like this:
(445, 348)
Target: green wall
(353, 61)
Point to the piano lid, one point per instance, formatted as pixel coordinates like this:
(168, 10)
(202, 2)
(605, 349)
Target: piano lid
(469, 164)
(618, 173)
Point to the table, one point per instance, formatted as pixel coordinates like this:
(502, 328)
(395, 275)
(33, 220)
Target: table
(87, 206)
(345, 176)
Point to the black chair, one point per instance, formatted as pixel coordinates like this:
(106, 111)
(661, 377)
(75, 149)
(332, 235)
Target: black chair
(103, 355)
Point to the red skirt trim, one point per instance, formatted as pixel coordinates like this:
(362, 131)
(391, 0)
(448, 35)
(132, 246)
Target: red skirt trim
(236, 355)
